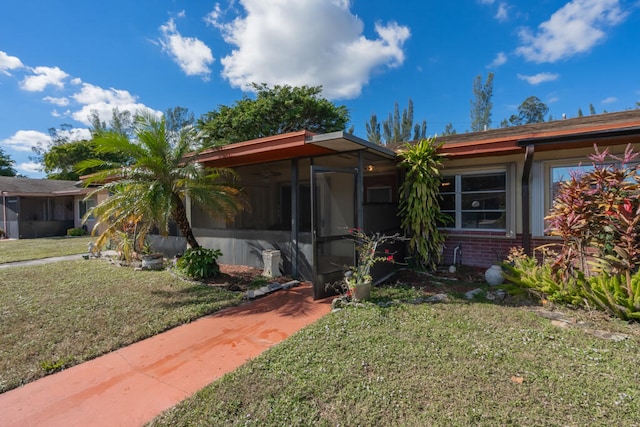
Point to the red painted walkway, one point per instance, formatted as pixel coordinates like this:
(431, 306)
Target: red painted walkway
(130, 386)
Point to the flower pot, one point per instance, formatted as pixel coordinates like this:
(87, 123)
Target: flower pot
(362, 291)
(494, 276)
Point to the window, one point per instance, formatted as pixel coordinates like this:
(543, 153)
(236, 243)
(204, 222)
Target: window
(379, 195)
(560, 174)
(84, 206)
(475, 201)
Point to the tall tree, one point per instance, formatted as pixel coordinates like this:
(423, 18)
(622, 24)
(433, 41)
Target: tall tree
(177, 118)
(481, 104)
(153, 186)
(373, 130)
(532, 110)
(6, 164)
(275, 110)
(398, 127)
(449, 130)
(592, 109)
(580, 113)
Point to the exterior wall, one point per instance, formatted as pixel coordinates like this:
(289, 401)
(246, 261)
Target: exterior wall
(45, 216)
(484, 250)
(244, 247)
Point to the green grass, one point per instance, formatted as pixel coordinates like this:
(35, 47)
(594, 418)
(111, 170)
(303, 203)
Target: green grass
(57, 315)
(26, 249)
(450, 364)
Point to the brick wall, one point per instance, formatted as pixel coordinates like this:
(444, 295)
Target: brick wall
(483, 249)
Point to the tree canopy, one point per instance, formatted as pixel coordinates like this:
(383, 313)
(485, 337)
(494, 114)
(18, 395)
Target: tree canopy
(396, 127)
(275, 110)
(532, 110)
(481, 105)
(150, 189)
(6, 164)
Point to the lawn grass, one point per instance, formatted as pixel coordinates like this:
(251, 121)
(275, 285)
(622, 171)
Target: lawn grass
(57, 315)
(26, 249)
(450, 364)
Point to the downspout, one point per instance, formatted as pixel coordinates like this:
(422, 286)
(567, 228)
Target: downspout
(295, 209)
(526, 200)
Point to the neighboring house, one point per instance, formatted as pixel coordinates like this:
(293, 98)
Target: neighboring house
(31, 208)
(499, 184)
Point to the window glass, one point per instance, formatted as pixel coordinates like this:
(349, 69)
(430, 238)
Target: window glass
(84, 206)
(475, 201)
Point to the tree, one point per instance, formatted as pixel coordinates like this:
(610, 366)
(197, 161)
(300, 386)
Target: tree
(532, 110)
(580, 113)
(6, 165)
(60, 160)
(449, 130)
(592, 109)
(177, 118)
(397, 128)
(274, 111)
(419, 200)
(150, 189)
(373, 130)
(481, 105)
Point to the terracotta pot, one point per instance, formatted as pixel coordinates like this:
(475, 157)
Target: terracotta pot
(362, 291)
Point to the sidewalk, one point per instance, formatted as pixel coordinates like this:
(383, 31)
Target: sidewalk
(130, 386)
(41, 261)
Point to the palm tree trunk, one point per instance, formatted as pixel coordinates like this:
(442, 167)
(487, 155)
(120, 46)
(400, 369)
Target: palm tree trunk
(179, 215)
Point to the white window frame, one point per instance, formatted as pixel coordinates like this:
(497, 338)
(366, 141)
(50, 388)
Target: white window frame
(510, 197)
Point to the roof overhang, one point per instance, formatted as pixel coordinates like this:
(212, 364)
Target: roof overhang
(286, 147)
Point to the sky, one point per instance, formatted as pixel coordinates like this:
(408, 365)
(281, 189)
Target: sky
(62, 59)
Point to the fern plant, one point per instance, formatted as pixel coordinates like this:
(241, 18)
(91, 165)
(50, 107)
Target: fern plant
(200, 263)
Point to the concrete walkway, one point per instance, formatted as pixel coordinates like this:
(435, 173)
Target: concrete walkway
(41, 261)
(130, 386)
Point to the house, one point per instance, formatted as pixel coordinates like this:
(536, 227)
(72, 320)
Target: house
(499, 184)
(31, 208)
(306, 190)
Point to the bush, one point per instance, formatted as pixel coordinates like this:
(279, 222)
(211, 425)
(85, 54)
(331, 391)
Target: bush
(597, 215)
(77, 231)
(200, 263)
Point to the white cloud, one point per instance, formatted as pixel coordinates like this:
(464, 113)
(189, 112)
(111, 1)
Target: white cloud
(609, 100)
(486, 1)
(575, 28)
(62, 102)
(503, 12)
(499, 60)
(8, 63)
(191, 54)
(315, 42)
(536, 79)
(29, 167)
(95, 98)
(43, 77)
(24, 140)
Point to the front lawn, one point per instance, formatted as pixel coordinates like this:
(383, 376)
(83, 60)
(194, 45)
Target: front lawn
(26, 249)
(57, 315)
(453, 363)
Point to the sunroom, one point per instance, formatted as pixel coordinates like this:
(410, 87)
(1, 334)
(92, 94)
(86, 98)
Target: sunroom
(305, 192)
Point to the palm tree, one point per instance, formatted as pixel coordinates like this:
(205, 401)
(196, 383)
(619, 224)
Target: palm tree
(150, 189)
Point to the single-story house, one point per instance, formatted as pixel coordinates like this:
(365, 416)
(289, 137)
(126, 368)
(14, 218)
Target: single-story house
(307, 190)
(32, 208)
(499, 184)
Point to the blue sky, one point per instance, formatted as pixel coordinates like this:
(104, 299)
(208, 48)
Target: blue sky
(61, 59)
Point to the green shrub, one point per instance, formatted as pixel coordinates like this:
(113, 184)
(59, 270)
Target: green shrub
(611, 294)
(200, 263)
(76, 231)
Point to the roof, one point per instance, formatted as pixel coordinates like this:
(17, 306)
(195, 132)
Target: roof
(287, 146)
(580, 132)
(12, 186)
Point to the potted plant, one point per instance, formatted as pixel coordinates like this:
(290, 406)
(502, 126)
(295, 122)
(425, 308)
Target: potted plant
(357, 279)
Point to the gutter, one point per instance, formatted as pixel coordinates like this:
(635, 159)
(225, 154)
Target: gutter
(526, 200)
